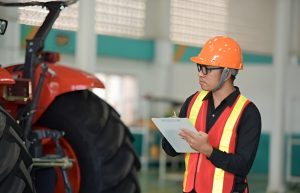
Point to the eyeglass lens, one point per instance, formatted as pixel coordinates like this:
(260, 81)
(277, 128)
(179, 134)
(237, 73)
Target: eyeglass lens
(206, 69)
(202, 68)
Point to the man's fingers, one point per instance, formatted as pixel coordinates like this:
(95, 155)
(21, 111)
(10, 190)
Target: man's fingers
(187, 132)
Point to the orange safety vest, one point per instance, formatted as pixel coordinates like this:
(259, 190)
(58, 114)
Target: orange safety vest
(200, 174)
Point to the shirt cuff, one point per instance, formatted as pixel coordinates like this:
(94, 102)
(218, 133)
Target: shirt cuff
(214, 154)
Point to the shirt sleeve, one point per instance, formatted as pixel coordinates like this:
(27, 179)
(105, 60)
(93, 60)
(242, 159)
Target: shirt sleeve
(248, 135)
(183, 113)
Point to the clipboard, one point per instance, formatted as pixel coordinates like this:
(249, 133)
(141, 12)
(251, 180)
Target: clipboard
(170, 127)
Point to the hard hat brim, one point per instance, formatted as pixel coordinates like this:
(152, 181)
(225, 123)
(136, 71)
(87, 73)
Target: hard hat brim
(196, 60)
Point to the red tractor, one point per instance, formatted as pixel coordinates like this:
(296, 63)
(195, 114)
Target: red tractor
(77, 142)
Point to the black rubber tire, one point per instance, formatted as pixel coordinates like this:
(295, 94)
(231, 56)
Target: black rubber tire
(15, 161)
(102, 143)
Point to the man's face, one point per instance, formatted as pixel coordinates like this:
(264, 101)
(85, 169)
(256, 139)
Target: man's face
(209, 76)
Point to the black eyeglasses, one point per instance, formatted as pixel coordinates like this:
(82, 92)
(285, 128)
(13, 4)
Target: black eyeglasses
(205, 70)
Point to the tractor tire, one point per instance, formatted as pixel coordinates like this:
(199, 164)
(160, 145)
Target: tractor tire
(15, 161)
(102, 143)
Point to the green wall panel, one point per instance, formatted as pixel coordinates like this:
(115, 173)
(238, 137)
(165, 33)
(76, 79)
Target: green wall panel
(138, 143)
(257, 58)
(183, 53)
(295, 160)
(295, 155)
(125, 48)
(261, 161)
(63, 41)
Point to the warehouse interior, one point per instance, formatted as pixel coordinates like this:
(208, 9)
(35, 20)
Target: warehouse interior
(141, 49)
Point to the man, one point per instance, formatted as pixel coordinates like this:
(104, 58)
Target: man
(228, 124)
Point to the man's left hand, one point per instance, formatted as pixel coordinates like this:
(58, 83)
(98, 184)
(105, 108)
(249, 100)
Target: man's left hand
(197, 140)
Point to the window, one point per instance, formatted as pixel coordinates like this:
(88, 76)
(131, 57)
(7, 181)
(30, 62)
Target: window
(121, 92)
(121, 17)
(193, 22)
(112, 17)
(35, 15)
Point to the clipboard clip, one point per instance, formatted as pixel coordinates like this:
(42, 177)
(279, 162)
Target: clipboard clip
(174, 115)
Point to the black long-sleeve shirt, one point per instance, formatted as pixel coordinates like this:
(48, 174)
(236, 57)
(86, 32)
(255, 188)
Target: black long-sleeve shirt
(248, 134)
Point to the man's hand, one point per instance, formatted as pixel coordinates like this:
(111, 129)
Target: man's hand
(197, 140)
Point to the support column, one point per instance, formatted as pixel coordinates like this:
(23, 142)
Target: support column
(157, 27)
(281, 62)
(86, 47)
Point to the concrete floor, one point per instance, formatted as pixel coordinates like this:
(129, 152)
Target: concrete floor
(150, 183)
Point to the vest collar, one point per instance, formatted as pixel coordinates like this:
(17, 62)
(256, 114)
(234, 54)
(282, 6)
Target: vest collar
(229, 100)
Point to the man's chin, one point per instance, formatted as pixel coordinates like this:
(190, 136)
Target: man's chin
(203, 87)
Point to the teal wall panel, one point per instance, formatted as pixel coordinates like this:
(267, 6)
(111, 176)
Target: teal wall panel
(138, 143)
(63, 41)
(183, 53)
(25, 32)
(295, 160)
(261, 161)
(257, 58)
(125, 48)
(295, 155)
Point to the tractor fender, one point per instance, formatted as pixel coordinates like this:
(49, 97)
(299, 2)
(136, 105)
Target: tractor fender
(62, 79)
(5, 77)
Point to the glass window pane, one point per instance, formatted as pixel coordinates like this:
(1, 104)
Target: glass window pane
(121, 92)
(120, 17)
(112, 17)
(35, 15)
(193, 22)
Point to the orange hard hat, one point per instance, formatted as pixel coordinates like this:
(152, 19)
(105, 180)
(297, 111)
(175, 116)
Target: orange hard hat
(220, 51)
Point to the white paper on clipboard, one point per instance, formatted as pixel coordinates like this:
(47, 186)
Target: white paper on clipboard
(170, 128)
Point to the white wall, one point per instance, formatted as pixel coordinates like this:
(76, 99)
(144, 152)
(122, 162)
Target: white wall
(257, 83)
